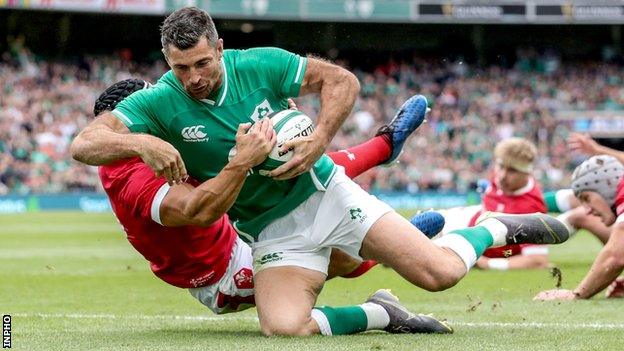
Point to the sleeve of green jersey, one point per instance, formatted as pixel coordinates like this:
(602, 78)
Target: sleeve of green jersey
(283, 69)
(559, 201)
(136, 113)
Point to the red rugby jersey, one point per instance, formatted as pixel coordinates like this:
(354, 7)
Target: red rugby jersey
(526, 200)
(185, 257)
(619, 198)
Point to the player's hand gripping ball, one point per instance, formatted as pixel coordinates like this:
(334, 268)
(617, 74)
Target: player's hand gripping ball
(288, 125)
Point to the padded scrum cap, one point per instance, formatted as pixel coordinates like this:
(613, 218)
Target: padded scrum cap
(114, 94)
(601, 173)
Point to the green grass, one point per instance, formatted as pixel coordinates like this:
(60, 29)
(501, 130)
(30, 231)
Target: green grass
(72, 282)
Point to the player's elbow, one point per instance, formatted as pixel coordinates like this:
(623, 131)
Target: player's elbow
(614, 249)
(615, 260)
(202, 217)
(351, 80)
(78, 148)
(207, 221)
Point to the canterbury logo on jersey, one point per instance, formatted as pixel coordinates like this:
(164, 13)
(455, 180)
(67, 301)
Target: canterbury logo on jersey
(194, 134)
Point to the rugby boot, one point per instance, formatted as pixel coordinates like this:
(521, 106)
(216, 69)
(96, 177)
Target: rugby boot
(403, 321)
(429, 222)
(534, 228)
(409, 117)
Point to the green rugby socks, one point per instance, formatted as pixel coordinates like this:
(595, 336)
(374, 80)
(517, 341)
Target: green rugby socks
(470, 243)
(350, 319)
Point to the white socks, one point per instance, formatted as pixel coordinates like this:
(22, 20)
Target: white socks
(563, 218)
(462, 248)
(376, 315)
(497, 229)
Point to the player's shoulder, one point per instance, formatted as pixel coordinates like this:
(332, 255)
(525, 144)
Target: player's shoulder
(167, 84)
(154, 94)
(259, 55)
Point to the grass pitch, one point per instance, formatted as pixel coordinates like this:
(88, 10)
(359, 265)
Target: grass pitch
(70, 281)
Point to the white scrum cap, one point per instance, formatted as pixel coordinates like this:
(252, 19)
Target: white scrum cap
(601, 173)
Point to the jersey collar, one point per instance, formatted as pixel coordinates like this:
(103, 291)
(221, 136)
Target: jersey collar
(525, 189)
(223, 89)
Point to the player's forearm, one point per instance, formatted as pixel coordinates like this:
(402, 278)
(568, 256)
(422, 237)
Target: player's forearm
(337, 95)
(213, 198)
(528, 262)
(606, 268)
(561, 200)
(603, 150)
(97, 146)
(514, 262)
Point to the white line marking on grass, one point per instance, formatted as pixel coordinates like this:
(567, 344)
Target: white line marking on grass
(137, 317)
(531, 325)
(502, 325)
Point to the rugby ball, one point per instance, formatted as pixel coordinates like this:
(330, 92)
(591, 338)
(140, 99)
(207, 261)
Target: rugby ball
(288, 125)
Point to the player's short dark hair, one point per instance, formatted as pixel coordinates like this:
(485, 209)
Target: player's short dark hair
(185, 27)
(108, 100)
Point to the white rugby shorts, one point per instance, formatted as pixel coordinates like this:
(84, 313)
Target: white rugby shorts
(458, 217)
(339, 218)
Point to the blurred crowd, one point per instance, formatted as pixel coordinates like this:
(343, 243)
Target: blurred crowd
(44, 104)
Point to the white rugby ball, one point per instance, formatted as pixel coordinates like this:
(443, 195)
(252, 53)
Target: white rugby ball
(288, 125)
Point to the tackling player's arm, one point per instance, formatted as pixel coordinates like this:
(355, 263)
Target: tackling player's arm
(107, 139)
(338, 89)
(513, 262)
(561, 201)
(585, 144)
(201, 206)
(608, 265)
(104, 140)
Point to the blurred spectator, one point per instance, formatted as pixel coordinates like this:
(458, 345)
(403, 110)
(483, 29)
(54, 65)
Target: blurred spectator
(44, 103)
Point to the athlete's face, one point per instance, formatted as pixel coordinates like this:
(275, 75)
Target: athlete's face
(197, 68)
(596, 205)
(508, 179)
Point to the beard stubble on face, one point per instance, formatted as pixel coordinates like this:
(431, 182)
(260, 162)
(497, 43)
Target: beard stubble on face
(205, 88)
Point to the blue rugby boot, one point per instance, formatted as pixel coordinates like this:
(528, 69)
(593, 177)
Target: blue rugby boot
(430, 223)
(410, 116)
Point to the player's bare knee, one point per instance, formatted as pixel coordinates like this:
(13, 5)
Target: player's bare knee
(445, 282)
(436, 282)
(286, 328)
(617, 261)
(437, 285)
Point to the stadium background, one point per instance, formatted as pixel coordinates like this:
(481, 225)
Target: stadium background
(491, 69)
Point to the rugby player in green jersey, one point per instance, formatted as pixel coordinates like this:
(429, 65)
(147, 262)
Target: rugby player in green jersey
(306, 207)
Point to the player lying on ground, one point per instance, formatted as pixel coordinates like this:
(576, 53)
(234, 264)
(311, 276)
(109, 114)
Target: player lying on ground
(176, 230)
(307, 206)
(599, 185)
(512, 189)
(578, 215)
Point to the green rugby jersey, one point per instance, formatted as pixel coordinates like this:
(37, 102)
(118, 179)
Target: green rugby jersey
(255, 83)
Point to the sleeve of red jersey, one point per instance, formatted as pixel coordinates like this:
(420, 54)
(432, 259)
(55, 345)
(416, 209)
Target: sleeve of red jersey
(139, 191)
